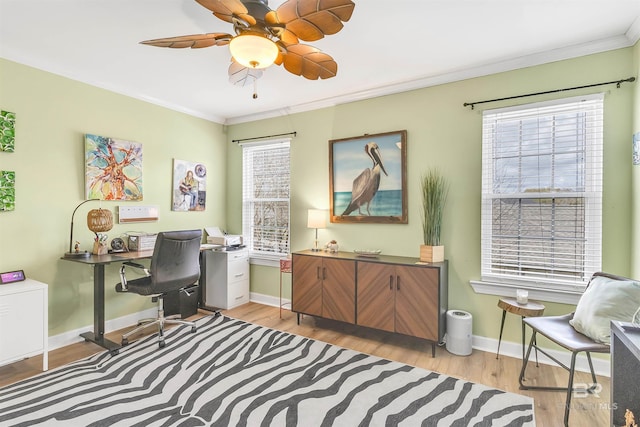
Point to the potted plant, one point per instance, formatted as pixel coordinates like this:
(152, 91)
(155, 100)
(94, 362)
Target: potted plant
(434, 197)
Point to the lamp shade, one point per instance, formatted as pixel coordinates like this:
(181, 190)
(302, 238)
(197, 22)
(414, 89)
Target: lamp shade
(316, 219)
(99, 220)
(253, 51)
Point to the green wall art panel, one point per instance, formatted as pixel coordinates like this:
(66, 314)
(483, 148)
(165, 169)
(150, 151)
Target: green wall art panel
(7, 191)
(8, 131)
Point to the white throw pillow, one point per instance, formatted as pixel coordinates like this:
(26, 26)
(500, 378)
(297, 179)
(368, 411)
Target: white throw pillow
(604, 300)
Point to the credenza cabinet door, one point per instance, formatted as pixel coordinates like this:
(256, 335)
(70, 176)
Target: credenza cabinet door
(306, 292)
(417, 302)
(376, 295)
(390, 293)
(339, 290)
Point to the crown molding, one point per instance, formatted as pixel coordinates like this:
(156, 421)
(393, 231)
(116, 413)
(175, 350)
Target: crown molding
(20, 58)
(633, 33)
(508, 64)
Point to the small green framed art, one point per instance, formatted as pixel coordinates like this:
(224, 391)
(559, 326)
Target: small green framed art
(7, 191)
(7, 131)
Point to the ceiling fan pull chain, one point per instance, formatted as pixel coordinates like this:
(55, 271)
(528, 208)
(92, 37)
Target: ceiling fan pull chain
(255, 88)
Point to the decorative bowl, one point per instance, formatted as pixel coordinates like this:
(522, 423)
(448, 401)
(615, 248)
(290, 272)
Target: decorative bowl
(371, 253)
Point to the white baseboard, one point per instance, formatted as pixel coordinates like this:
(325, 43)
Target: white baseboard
(267, 299)
(512, 349)
(507, 348)
(71, 337)
(490, 345)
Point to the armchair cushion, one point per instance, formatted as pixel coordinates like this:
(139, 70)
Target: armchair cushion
(604, 300)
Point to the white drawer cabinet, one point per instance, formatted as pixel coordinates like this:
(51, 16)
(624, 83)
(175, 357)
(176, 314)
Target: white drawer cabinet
(24, 321)
(226, 278)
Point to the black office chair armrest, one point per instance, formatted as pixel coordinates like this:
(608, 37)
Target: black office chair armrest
(123, 279)
(134, 265)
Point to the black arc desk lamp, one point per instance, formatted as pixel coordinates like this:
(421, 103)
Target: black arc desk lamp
(72, 253)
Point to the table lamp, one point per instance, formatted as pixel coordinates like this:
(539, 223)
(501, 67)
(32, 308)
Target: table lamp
(98, 220)
(316, 219)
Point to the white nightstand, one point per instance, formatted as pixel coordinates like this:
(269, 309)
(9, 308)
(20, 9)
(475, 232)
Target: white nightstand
(24, 321)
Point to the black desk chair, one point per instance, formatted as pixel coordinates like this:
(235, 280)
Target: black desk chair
(174, 266)
(561, 330)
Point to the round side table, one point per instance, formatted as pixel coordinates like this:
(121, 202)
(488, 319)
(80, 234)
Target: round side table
(510, 305)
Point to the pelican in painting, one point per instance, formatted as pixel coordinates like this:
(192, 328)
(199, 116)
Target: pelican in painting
(365, 186)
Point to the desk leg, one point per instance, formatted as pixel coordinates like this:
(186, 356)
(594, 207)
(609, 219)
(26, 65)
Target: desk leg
(97, 336)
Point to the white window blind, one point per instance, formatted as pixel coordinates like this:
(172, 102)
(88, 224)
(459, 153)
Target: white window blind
(265, 199)
(542, 193)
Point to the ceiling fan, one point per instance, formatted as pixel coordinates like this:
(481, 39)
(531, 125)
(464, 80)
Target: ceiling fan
(264, 36)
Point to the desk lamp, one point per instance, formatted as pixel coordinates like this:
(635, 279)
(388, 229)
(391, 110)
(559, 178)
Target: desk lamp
(98, 220)
(316, 219)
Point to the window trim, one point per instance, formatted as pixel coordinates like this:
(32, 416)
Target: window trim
(565, 296)
(547, 290)
(257, 257)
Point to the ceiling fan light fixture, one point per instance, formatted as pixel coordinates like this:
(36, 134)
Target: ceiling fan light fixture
(253, 51)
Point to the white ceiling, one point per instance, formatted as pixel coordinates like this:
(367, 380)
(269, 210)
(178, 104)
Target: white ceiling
(388, 46)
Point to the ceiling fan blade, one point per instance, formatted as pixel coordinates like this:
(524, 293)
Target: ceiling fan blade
(228, 9)
(311, 20)
(194, 41)
(309, 62)
(240, 75)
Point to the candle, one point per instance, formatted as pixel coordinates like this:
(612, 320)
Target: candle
(522, 296)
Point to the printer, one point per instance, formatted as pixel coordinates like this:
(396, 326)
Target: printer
(216, 237)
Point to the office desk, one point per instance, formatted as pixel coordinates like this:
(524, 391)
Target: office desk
(98, 262)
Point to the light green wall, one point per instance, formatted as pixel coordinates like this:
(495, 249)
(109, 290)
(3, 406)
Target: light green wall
(53, 113)
(635, 210)
(442, 133)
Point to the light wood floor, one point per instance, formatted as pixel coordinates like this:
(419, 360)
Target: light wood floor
(480, 367)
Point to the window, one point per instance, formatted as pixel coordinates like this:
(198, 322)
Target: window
(542, 194)
(265, 200)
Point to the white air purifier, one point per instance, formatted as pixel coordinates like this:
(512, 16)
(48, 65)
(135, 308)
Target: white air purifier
(459, 330)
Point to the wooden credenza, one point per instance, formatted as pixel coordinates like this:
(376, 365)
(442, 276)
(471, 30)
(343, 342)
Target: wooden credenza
(394, 294)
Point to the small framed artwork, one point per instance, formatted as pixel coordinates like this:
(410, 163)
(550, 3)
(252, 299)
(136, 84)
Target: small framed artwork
(189, 186)
(368, 178)
(113, 168)
(7, 131)
(635, 150)
(7, 190)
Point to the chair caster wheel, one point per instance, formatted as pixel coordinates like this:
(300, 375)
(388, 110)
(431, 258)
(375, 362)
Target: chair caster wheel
(161, 344)
(193, 329)
(125, 341)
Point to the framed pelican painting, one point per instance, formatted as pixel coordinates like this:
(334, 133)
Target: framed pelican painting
(368, 178)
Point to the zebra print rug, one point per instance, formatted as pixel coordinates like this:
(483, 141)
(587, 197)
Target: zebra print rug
(233, 373)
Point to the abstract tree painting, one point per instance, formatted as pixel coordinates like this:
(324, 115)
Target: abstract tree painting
(113, 168)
